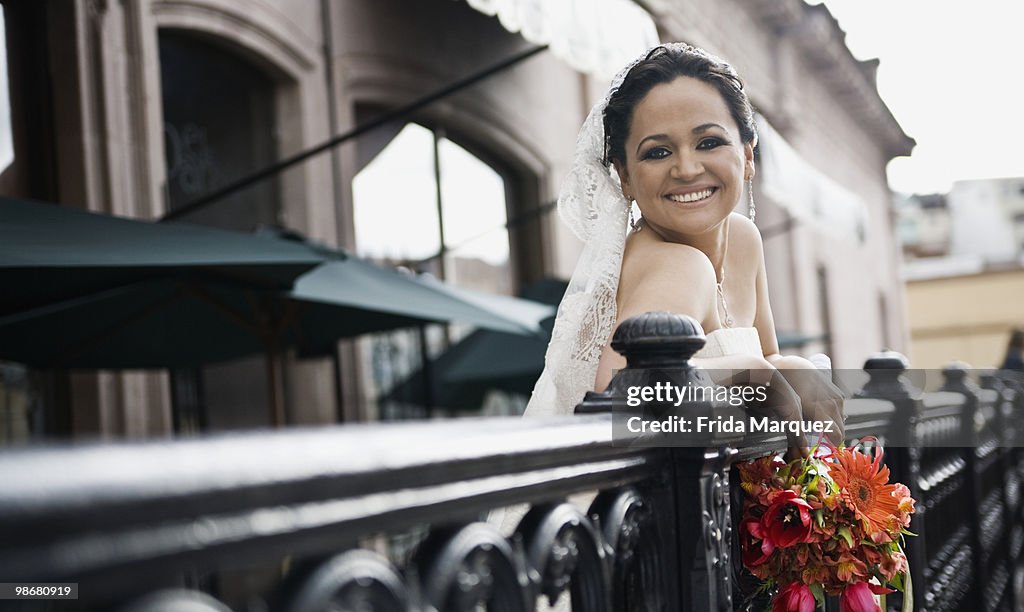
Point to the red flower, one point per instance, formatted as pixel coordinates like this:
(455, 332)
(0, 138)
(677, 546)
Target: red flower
(795, 597)
(858, 597)
(755, 546)
(787, 520)
(756, 476)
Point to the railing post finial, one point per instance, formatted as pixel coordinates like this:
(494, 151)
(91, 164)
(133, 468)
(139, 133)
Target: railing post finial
(658, 340)
(652, 341)
(884, 370)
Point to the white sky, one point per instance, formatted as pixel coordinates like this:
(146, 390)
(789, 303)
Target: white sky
(950, 74)
(6, 143)
(396, 202)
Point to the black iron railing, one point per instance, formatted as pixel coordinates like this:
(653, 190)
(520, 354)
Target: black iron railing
(310, 519)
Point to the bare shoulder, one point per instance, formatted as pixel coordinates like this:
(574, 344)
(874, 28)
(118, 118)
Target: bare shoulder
(666, 276)
(745, 237)
(658, 258)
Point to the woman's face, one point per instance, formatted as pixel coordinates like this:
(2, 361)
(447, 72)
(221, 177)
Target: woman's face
(685, 162)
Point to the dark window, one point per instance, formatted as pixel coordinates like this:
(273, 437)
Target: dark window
(825, 308)
(28, 162)
(218, 127)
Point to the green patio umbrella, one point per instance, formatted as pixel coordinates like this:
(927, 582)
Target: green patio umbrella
(177, 322)
(487, 359)
(50, 253)
(462, 375)
(377, 299)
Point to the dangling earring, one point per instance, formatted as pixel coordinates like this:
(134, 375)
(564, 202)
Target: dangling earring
(634, 222)
(751, 209)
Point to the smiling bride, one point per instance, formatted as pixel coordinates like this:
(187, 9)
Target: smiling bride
(675, 138)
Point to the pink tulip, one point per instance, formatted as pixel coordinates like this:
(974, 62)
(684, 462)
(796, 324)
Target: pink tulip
(795, 597)
(860, 597)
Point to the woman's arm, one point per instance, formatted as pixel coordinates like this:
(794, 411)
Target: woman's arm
(650, 281)
(820, 399)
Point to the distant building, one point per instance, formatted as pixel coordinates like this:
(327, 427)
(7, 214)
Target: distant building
(960, 309)
(964, 271)
(924, 225)
(977, 218)
(987, 217)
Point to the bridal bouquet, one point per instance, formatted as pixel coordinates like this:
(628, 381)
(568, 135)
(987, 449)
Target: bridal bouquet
(825, 525)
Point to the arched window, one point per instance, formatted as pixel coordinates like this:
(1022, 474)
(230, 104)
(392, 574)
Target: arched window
(218, 126)
(427, 203)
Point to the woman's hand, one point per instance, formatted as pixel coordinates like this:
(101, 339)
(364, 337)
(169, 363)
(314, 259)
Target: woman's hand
(797, 391)
(820, 399)
(782, 401)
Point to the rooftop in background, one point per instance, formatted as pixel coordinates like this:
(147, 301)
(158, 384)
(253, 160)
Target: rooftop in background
(978, 224)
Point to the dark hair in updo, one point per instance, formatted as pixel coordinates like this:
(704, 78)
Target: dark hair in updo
(663, 65)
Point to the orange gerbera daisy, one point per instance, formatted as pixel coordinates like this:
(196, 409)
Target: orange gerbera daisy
(864, 487)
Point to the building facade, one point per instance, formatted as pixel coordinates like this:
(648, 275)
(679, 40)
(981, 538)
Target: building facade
(137, 108)
(964, 313)
(964, 271)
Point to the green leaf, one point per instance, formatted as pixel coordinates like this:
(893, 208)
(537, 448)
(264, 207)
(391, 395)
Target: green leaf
(819, 594)
(765, 587)
(819, 517)
(815, 483)
(897, 582)
(844, 531)
(784, 472)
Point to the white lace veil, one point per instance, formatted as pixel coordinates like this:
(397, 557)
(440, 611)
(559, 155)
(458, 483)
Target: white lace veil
(592, 205)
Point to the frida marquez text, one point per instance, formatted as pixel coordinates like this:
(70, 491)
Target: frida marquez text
(702, 424)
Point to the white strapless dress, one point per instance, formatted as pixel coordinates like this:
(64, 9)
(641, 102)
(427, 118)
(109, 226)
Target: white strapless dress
(731, 341)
